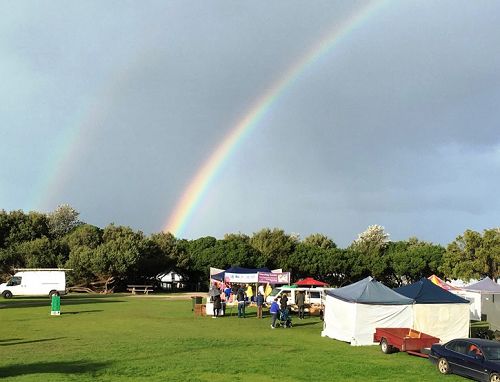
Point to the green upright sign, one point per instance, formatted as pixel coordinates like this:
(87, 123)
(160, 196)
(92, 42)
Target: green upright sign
(55, 308)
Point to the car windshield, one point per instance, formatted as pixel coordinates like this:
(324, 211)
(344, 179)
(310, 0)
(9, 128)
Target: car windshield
(492, 352)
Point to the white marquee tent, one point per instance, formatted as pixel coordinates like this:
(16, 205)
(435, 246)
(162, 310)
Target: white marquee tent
(485, 301)
(353, 312)
(436, 311)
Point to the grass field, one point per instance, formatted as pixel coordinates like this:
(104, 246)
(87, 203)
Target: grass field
(129, 338)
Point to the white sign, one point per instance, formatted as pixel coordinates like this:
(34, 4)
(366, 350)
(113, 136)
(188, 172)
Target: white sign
(241, 277)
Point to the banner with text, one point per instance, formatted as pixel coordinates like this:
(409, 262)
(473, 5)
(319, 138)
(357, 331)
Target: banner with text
(274, 278)
(240, 277)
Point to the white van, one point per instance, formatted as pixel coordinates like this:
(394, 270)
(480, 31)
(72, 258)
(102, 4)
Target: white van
(313, 295)
(35, 282)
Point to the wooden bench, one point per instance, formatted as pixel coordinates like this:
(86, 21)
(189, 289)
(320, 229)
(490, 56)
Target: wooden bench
(140, 288)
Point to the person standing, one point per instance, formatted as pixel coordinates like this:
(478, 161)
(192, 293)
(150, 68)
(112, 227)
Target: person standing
(300, 300)
(284, 301)
(274, 310)
(234, 291)
(227, 292)
(249, 293)
(261, 289)
(268, 290)
(240, 297)
(217, 306)
(260, 303)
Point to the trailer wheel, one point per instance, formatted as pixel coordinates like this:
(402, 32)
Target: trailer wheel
(385, 347)
(7, 294)
(494, 377)
(443, 366)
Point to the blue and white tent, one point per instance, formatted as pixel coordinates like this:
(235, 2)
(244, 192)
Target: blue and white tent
(436, 311)
(353, 312)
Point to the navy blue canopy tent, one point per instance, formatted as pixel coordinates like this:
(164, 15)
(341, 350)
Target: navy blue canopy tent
(369, 291)
(436, 311)
(426, 292)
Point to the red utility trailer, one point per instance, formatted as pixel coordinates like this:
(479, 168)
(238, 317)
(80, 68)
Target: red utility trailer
(403, 339)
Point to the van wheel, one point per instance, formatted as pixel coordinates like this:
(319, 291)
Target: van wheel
(7, 294)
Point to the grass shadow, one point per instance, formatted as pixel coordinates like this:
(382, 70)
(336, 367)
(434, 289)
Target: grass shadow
(65, 301)
(84, 311)
(295, 323)
(64, 367)
(19, 341)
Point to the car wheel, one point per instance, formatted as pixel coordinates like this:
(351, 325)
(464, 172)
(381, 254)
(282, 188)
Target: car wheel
(7, 294)
(385, 347)
(494, 377)
(443, 366)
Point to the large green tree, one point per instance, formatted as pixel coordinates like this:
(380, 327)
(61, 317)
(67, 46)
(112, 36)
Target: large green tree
(117, 259)
(309, 260)
(319, 240)
(275, 246)
(473, 256)
(17, 227)
(85, 235)
(62, 220)
(412, 259)
(367, 254)
(81, 261)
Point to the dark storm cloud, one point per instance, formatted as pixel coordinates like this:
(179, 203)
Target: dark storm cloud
(396, 125)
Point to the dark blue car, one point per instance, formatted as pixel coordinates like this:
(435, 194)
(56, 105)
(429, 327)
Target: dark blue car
(470, 357)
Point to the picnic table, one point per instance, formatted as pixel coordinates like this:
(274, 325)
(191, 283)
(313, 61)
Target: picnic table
(140, 288)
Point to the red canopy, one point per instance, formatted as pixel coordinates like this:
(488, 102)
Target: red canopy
(309, 281)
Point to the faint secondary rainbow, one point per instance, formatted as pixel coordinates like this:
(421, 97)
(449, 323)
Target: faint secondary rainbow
(197, 188)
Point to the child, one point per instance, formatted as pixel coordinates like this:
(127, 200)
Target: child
(274, 310)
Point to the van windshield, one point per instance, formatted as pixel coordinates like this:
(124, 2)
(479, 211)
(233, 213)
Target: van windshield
(14, 281)
(274, 292)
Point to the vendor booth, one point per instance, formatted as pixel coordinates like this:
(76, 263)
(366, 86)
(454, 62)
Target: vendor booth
(310, 282)
(485, 301)
(353, 312)
(251, 277)
(436, 311)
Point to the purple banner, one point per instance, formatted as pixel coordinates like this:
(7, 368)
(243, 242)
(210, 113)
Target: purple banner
(274, 278)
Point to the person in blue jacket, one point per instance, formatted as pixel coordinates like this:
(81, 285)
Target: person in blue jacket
(274, 310)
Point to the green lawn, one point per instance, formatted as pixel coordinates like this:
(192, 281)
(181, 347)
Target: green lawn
(127, 338)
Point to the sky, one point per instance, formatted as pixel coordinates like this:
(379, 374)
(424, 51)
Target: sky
(113, 107)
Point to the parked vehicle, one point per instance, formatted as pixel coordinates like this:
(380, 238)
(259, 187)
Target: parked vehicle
(404, 339)
(313, 295)
(474, 358)
(35, 282)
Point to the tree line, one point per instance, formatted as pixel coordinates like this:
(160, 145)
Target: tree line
(115, 256)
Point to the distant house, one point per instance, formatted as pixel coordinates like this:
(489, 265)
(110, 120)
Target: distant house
(171, 280)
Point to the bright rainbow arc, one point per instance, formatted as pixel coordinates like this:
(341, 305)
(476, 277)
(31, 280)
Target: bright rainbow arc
(199, 185)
